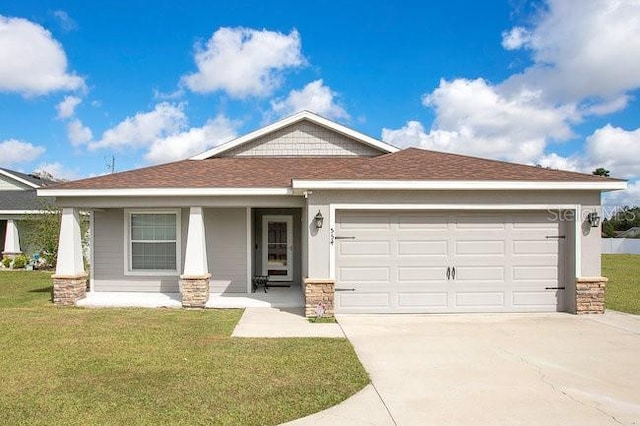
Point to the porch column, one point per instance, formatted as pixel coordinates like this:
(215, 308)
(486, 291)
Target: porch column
(12, 239)
(70, 279)
(194, 281)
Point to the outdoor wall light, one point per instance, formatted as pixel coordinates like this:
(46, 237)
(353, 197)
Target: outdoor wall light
(594, 219)
(318, 219)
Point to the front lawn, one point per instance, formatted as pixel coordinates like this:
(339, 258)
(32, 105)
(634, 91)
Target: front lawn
(156, 366)
(623, 289)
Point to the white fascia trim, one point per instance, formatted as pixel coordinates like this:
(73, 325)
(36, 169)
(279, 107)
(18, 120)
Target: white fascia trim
(427, 207)
(23, 212)
(19, 179)
(159, 192)
(291, 120)
(455, 185)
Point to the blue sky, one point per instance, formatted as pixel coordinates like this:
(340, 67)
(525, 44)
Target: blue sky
(536, 82)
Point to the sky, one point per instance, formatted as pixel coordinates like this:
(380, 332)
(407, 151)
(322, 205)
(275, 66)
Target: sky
(546, 82)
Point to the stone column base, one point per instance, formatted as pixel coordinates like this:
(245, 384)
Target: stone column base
(67, 290)
(590, 295)
(194, 290)
(318, 291)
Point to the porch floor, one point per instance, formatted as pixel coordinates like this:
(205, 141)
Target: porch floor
(274, 298)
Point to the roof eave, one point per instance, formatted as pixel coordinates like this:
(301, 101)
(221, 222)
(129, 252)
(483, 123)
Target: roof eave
(299, 184)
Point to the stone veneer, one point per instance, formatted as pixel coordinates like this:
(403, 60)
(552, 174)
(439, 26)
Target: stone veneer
(590, 295)
(67, 290)
(316, 291)
(195, 291)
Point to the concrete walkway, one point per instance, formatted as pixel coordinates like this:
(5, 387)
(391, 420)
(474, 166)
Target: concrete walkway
(272, 322)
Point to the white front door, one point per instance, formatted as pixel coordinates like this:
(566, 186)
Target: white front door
(277, 247)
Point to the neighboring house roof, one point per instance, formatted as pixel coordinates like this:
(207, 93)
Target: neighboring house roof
(629, 233)
(28, 179)
(429, 169)
(288, 121)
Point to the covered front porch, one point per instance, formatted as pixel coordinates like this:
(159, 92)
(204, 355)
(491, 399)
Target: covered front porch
(218, 253)
(281, 298)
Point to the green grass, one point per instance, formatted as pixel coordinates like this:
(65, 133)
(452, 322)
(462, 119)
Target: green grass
(155, 366)
(323, 320)
(623, 289)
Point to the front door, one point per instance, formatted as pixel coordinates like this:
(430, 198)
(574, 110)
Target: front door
(277, 247)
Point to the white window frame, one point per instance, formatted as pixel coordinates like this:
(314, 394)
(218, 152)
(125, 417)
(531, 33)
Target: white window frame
(128, 271)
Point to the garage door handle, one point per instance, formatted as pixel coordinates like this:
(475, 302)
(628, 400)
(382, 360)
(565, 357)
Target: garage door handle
(344, 289)
(554, 288)
(453, 273)
(448, 272)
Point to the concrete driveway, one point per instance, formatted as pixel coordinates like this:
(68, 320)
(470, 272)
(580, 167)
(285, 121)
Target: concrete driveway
(502, 369)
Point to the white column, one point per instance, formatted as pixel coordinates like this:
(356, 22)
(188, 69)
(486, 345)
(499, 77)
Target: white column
(195, 262)
(12, 238)
(70, 262)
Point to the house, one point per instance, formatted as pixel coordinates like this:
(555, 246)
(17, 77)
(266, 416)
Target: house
(343, 219)
(18, 200)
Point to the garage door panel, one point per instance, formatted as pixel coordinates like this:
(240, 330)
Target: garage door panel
(480, 247)
(365, 274)
(503, 262)
(524, 247)
(364, 248)
(420, 274)
(417, 300)
(489, 299)
(530, 273)
(362, 300)
(480, 274)
(535, 299)
(423, 248)
(422, 223)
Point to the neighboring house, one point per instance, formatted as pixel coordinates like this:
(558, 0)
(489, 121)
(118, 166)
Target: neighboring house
(314, 204)
(18, 199)
(629, 233)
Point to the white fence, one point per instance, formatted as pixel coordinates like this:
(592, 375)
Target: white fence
(621, 245)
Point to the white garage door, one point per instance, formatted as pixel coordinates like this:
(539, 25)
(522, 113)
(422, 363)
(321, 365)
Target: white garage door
(399, 262)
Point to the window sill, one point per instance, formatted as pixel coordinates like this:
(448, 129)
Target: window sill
(152, 273)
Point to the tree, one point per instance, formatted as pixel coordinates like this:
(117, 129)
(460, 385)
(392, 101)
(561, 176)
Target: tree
(601, 171)
(608, 229)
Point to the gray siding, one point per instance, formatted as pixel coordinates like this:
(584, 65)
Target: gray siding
(8, 184)
(303, 139)
(108, 259)
(226, 234)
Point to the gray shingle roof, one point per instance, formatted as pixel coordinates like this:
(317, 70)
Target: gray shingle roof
(20, 201)
(30, 178)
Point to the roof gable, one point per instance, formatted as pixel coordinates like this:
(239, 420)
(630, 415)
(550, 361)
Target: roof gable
(12, 180)
(302, 134)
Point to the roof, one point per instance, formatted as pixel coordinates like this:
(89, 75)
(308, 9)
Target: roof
(28, 179)
(409, 165)
(288, 121)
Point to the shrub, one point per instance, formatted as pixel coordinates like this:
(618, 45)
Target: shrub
(20, 261)
(6, 262)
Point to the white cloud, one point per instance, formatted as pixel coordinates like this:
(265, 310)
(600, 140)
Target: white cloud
(78, 133)
(66, 108)
(315, 97)
(615, 149)
(244, 62)
(32, 62)
(58, 171)
(66, 22)
(193, 141)
(473, 117)
(516, 38)
(13, 151)
(555, 161)
(580, 52)
(616, 199)
(144, 128)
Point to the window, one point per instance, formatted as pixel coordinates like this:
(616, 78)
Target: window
(153, 241)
